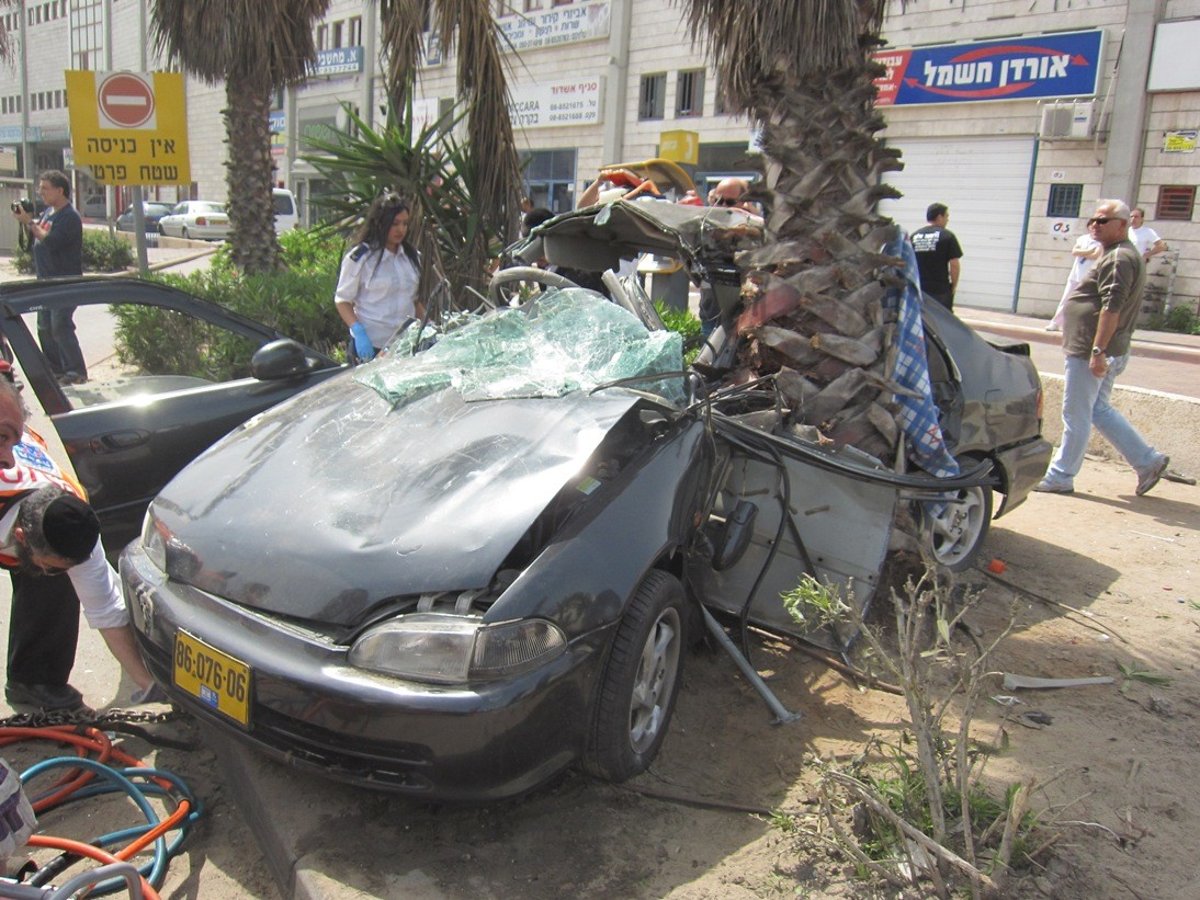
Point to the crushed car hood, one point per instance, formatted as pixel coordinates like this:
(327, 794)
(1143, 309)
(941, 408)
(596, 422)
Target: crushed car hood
(331, 503)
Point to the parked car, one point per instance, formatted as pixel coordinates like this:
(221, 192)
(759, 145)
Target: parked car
(286, 215)
(153, 213)
(463, 567)
(199, 219)
(128, 434)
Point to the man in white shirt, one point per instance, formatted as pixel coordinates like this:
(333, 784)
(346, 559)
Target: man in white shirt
(1144, 237)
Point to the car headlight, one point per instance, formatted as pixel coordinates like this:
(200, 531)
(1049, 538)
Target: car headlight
(154, 540)
(455, 650)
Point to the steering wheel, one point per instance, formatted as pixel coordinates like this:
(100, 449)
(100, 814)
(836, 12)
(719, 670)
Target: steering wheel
(518, 274)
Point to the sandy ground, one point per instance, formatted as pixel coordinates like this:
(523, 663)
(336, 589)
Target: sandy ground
(699, 825)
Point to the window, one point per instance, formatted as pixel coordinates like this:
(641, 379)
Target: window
(1175, 202)
(689, 93)
(322, 37)
(335, 40)
(549, 178)
(1064, 202)
(354, 31)
(652, 101)
(533, 5)
(87, 32)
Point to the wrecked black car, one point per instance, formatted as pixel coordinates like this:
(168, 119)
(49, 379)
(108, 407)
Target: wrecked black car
(479, 559)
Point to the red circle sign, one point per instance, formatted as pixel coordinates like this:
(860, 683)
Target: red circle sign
(126, 100)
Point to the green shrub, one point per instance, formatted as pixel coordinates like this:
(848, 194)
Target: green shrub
(102, 252)
(1181, 319)
(297, 302)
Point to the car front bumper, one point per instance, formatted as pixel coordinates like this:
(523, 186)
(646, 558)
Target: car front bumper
(311, 709)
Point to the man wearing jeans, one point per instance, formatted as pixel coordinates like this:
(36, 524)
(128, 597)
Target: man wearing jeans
(1100, 315)
(57, 252)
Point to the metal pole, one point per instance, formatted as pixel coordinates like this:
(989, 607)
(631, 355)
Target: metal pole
(782, 716)
(24, 100)
(139, 206)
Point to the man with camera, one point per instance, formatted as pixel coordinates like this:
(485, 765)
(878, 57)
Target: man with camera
(57, 252)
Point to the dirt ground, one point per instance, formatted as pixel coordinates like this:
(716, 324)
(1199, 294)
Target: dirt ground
(1116, 768)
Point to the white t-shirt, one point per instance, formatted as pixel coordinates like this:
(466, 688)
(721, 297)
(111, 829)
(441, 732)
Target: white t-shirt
(382, 288)
(1144, 238)
(1082, 263)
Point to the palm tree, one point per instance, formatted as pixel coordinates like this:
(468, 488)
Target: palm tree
(255, 47)
(802, 72)
(482, 87)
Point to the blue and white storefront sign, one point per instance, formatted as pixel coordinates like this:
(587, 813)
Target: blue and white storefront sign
(339, 61)
(1039, 66)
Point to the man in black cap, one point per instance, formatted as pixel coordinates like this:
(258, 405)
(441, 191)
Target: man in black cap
(50, 543)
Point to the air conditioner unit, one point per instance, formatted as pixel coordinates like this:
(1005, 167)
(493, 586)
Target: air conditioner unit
(1067, 120)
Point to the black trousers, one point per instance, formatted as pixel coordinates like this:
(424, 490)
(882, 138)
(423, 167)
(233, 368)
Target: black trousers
(43, 630)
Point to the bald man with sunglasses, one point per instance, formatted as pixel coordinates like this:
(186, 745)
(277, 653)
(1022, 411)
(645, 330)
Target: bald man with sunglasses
(1099, 318)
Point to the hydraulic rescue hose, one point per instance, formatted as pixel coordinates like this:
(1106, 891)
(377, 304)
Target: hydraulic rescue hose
(100, 768)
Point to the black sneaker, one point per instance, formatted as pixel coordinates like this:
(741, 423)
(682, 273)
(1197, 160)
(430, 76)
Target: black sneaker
(43, 696)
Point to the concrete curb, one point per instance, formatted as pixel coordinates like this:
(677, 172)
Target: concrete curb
(1153, 349)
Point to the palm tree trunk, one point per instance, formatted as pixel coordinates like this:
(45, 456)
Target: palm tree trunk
(819, 268)
(253, 244)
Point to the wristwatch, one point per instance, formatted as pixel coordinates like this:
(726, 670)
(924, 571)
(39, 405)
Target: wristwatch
(1097, 351)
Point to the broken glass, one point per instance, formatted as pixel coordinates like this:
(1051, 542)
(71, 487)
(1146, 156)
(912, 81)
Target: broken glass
(563, 341)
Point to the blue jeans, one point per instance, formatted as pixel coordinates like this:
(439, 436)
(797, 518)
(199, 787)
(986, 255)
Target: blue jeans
(56, 334)
(1085, 403)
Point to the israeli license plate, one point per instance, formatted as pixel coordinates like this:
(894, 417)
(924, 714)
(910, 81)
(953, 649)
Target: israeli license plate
(214, 678)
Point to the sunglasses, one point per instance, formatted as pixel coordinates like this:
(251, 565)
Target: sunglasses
(1102, 220)
(726, 201)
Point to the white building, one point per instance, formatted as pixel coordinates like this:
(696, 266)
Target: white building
(1018, 114)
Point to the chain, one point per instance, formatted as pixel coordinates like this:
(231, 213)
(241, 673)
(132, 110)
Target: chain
(44, 718)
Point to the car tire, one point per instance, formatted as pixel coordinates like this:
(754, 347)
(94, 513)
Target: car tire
(953, 533)
(641, 680)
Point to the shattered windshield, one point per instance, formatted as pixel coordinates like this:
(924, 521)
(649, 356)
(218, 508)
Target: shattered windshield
(566, 340)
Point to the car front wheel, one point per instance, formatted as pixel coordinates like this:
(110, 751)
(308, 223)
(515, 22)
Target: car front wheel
(953, 531)
(640, 682)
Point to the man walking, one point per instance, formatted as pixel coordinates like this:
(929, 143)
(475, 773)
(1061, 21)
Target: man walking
(938, 253)
(57, 252)
(1099, 321)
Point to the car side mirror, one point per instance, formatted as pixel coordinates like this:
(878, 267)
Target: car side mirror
(283, 358)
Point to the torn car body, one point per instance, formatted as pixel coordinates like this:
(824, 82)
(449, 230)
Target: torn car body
(465, 566)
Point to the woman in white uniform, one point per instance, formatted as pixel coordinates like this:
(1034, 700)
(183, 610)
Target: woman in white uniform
(377, 286)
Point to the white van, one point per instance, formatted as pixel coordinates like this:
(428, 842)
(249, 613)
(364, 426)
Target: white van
(286, 216)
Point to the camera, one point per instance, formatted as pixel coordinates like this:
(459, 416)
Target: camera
(23, 204)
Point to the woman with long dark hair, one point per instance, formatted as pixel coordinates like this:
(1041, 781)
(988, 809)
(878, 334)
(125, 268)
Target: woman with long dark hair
(377, 286)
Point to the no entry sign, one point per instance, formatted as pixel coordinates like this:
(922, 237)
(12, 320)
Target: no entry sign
(129, 127)
(125, 100)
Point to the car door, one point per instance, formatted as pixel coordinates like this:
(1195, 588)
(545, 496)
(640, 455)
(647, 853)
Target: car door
(172, 224)
(126, 431)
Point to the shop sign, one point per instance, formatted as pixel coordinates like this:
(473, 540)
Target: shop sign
(575, 102)
(339, 61)
(680, 146)
(562, 25)
(11, 134)
(1046, 65)
(1180, 141)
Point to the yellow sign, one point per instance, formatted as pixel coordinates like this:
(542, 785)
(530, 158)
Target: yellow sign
(680, 146)
(129, 127)
(1180, 141)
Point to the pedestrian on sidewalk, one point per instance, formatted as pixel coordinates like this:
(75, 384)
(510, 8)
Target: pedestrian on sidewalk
(1085, 252)
(57, 253)
(1145, 238)
(50, 544)
(1099, 321)
(938, 255)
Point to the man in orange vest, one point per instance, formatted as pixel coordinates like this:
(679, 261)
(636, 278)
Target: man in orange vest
(49, 542)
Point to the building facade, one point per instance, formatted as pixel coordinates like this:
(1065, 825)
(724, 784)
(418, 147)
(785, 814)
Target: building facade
(1018, 115)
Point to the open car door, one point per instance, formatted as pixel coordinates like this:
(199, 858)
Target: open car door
(128, 431)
